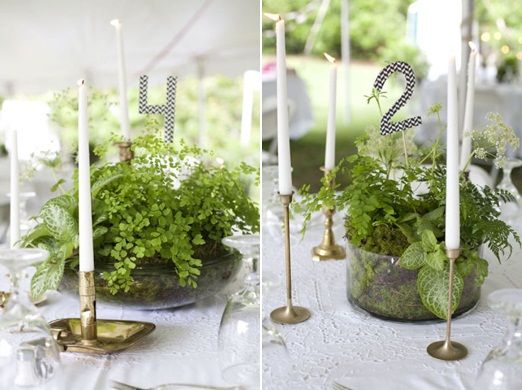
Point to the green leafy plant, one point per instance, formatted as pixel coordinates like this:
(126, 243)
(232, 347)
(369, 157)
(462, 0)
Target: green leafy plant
(171, 204)
(396, 201)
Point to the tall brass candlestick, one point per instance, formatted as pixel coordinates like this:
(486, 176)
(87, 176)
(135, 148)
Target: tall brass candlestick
(88, 308)
(125, 150)
(328, 249)
(447, 349)
(288, 314)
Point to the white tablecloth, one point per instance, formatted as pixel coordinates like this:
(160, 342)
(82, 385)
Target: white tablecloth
(182, 348)
(341, 341)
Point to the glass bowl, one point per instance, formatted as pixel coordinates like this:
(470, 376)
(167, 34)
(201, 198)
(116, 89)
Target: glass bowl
(377, 284)
(156, 286)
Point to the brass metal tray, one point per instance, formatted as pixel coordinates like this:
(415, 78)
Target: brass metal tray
(113, 335)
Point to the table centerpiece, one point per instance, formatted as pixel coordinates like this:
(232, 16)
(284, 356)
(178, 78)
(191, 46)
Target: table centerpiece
(158, 221)
(395, 221)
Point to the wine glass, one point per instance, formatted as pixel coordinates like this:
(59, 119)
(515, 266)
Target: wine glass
(4, 221)
(238, 339)
(271, 203)
(511, 212)
(29, 355)
(502, 369)
(276, 360)
(506, 183)
(25, 221)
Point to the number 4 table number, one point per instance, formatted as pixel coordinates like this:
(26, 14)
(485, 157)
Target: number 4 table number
(387, 127)
(168, 110)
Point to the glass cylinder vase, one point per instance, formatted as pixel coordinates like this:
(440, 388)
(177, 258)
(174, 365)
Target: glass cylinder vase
(377, 284)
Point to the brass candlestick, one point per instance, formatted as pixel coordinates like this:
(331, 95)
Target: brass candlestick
(3, 298)
(288, 314)
(126, 153)
(328, 249)
(89, 335)
(88, 308)
(447, 349)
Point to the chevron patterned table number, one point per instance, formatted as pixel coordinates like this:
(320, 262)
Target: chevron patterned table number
(168, 110)
(387, 126)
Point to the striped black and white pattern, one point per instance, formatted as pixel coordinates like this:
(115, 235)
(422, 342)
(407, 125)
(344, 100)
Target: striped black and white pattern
(168, 110)
(387, 127)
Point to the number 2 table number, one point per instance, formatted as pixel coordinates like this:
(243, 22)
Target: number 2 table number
(387, 126)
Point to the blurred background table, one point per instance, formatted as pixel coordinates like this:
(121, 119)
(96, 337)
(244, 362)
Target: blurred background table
(300, 115)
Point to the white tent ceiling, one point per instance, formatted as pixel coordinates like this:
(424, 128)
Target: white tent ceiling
(48, 45)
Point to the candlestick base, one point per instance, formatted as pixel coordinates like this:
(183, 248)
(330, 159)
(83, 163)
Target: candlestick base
(332, 252)
(87, 334)
(112, 335)
(126, 153)
(447, 350)
(288, 315)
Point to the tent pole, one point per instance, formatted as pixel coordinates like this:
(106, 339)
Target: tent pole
(246, 112)
(316, 26)
(466, 34)
(345, 55)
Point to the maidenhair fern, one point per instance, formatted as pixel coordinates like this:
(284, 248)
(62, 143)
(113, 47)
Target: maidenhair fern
(171, 204)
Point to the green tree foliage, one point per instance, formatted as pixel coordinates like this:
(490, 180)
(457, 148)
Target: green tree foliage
(222, 115)
(374, 25)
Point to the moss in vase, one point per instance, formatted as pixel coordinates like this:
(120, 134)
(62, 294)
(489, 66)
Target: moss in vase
(384, 239)
(379, 285)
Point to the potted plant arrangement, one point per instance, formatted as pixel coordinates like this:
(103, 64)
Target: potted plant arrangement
(158, 221)
(395, 210)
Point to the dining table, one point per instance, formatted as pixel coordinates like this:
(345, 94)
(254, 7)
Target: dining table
(343, 344)
(183, 348)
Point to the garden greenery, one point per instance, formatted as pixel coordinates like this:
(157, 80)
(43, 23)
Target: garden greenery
(171, 204)
(396, 206)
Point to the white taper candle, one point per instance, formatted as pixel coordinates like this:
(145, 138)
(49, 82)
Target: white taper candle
(84, 183)
(468, 113)
(122, 81)
(329, 155)
(14, 191)
(452, 163)
(283, 138)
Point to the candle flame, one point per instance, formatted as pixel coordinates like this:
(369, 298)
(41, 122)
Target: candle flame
(81, 82)
(274, 17)
(329, 58)
(116, 22)
(472, 46)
